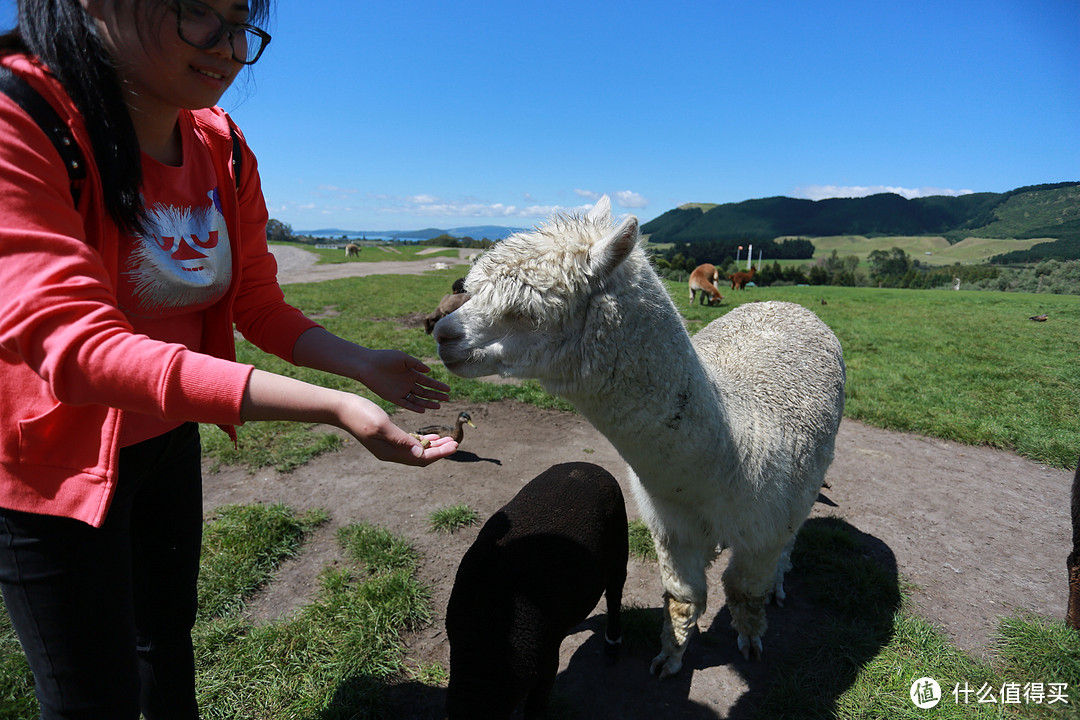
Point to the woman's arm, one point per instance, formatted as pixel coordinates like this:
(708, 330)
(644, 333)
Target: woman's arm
(391, 374)
(276, 397)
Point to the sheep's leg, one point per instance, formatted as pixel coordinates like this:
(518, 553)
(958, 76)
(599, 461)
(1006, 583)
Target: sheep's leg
(685, 586)
(750, 578)
(613, 631)
(536, 703)
(1072, 614)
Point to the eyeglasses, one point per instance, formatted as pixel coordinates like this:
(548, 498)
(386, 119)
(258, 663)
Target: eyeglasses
(201, 26)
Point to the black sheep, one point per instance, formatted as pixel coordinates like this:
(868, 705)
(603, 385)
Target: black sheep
(1072, 616)
(537, 569)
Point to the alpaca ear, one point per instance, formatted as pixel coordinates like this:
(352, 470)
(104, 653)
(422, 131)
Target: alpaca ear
(606, 254)
(601, 210)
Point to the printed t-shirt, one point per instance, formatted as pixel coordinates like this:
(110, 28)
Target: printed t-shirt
(180, 265)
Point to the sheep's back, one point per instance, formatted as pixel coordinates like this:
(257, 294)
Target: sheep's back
(549, 549)
(536, 569)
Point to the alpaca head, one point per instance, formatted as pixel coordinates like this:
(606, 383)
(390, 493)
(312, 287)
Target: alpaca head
(534, 296)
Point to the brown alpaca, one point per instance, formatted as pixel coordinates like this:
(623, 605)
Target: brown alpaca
(1072, 615)
(704, 278)
(739, 279)
(352, 249)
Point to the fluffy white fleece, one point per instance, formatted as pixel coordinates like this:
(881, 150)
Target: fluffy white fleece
(728, 435)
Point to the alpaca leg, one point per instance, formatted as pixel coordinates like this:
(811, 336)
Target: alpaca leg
(685, 593)
(680, 618)
(777, 593)
(748, 581)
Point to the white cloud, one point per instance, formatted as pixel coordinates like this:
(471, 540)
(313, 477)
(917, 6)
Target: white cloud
(332, 191)
(630, 199)
(432, 207)
(822, 192)
(587, 194)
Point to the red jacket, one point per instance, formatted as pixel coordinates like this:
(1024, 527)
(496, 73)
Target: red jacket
(70, 364)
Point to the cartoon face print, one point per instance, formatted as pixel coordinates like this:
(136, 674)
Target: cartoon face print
(182, 263)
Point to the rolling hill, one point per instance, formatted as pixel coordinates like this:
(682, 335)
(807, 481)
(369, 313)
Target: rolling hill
(1041, 214)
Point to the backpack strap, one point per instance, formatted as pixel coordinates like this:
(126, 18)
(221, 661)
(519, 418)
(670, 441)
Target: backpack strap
(39, 109)
(237, 158)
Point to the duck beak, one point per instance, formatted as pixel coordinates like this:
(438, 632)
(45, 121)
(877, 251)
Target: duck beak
(470, 423)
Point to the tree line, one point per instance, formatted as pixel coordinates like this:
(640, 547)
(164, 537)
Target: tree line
(890, 269)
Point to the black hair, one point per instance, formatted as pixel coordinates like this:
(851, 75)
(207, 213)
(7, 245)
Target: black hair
(64, 36)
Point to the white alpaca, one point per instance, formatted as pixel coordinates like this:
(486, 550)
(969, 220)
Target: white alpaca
(728, 435)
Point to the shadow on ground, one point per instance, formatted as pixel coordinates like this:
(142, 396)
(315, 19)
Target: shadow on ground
(842, 595)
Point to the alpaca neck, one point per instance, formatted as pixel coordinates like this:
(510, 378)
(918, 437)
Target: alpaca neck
(648, 391)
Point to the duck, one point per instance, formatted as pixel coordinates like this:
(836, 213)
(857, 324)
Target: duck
(456, 433)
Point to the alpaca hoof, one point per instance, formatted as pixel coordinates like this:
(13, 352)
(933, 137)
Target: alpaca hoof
(750, 646)
(664, 666)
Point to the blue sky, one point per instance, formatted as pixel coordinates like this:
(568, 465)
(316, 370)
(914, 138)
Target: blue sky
(412, 114)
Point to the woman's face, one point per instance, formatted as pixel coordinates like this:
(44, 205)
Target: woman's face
(159, 71)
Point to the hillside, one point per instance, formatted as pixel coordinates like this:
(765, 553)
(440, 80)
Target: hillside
(1040, 211)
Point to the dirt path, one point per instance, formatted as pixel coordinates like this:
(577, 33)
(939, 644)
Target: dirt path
(296, 265)
(978, 532)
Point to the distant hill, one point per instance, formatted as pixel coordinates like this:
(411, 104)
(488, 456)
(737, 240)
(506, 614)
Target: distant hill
(1038, 211)
(477, 232)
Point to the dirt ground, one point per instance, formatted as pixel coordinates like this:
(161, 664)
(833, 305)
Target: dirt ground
(972, 533)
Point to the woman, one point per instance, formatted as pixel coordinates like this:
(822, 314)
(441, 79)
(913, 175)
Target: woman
(116, 318)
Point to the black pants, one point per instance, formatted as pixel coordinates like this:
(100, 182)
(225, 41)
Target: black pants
(105, 614)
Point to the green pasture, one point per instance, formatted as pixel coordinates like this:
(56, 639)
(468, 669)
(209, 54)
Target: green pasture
(963, 366)
(929, 250)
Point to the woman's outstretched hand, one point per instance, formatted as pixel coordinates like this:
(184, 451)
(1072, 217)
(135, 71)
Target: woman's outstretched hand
(276, 397)
(370, 424)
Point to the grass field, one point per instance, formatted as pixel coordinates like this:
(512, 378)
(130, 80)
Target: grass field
(929, 250)
(969, 367)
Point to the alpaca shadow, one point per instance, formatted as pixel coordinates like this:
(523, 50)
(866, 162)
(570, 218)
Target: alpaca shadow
(842, 594)
(365, 696)
(464, 456)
